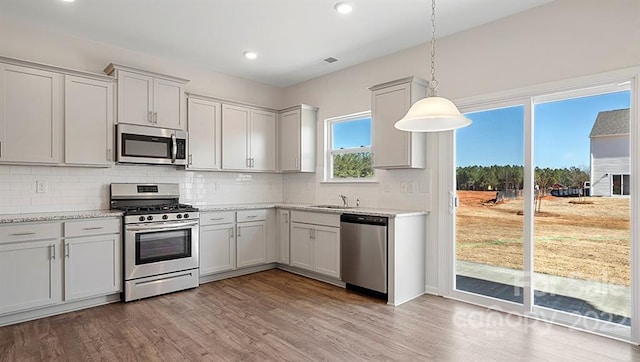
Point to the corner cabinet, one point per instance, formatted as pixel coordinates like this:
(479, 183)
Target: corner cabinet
(205, 134)
(30, 114)
(297, 136)
(249, 141)
(88, 122)
(149, 99)
(393, 148)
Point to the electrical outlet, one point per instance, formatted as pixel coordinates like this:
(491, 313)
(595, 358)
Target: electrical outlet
(41, 187)
(403, 187)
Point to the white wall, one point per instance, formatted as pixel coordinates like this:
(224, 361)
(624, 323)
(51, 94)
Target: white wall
(609, 156)
(559, 40)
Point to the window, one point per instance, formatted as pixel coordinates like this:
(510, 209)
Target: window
(349, 148)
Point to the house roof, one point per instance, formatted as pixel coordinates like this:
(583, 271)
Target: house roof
(610, 123)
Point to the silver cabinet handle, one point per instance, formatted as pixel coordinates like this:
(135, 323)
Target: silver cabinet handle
(310, 233)
(217, 218)
(108, 154)
(23, 234)
(94, 228)
(248, 163)
(238, 231)
(67, 249)
(286, 218)
(253, 164)
(230, 232)
(252, 216)
(155, 117)
(150, 117)
(297, 163)
(53, 251)
(190, 159)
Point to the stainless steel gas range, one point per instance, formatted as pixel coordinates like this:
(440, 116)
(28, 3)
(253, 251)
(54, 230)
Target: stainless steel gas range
(160, 239)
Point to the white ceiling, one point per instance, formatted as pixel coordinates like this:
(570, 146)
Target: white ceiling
(292, 37)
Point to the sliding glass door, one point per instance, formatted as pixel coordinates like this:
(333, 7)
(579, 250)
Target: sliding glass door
(544, 218)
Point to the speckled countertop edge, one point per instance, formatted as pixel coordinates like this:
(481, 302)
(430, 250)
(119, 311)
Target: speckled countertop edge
(88, 214)
(56, 216)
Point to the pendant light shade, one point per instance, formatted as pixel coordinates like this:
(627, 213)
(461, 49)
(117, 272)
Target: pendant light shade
(432, 114)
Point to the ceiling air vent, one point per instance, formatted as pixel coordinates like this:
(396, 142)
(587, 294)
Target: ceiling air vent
(331, 60)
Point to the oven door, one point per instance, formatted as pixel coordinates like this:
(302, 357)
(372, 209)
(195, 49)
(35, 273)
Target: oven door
(159, 248)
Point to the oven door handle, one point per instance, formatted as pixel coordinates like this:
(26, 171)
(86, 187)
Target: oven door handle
(161, 226)
(174, 148)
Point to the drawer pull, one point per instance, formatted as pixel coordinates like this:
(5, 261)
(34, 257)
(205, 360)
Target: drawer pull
(23, 234)
(94, 228)
(252, 216)
(217, 218)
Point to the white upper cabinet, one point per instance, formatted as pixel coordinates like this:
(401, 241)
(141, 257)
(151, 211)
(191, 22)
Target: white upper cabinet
(88, 121)
(393, 148)
(248, 138)
(297, 138)
(30, 114)
(149, 99)
(205, 137)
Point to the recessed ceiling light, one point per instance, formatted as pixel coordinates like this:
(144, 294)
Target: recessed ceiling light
(250, 55)
(343, 7)
(68, 1)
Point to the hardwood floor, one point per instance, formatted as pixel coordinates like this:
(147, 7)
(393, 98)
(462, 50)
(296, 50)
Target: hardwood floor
(275, 315)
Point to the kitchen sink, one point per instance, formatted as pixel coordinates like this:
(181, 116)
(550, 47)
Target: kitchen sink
(333, 207)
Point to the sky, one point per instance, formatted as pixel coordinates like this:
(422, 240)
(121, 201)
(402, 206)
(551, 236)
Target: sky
(561, 133)
(352, 134)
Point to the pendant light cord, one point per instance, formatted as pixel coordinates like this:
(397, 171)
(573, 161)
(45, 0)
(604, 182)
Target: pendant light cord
(433, 84)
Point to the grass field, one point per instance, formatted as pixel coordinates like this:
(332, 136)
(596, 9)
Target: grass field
(583, 241)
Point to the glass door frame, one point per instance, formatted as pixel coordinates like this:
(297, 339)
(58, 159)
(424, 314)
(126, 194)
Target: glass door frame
(447, 205)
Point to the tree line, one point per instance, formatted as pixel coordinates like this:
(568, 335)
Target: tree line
(511, 177)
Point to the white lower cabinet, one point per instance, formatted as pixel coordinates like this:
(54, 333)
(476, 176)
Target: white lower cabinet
(41, 266)
(315, 242)
(251, 243)
(217, 248)
(29, 274)
(92, 258)
(283, 218)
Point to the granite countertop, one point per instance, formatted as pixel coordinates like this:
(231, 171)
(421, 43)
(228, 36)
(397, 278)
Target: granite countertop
(70, 215)
(306, 207)
(55, 216)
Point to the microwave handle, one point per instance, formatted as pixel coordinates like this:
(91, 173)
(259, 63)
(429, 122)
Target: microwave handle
(174, 148)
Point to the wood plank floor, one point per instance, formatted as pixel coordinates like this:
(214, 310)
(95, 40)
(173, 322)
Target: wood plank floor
(275, 315)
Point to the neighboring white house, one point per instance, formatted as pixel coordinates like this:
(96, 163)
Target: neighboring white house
(610, 163)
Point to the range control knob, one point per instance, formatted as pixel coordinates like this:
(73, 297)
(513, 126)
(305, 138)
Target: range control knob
(165, 217)
(149, 217)
(141, 218)
(186, 216)
(179, 216)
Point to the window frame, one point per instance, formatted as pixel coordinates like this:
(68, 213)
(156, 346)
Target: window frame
(330, 152)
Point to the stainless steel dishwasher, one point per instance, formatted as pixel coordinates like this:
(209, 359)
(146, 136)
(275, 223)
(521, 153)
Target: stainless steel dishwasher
(363, 252)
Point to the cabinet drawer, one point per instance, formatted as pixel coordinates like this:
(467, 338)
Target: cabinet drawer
(29, 231)
(92, 227)
(214, 218)
(251, 215)
(316, 218)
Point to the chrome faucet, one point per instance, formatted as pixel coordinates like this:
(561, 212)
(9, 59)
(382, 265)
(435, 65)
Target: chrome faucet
(345, 200)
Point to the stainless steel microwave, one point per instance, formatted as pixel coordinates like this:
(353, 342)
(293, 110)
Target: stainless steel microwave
(150, 145)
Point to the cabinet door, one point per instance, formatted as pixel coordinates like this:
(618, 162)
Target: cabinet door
(30, 113)
(92, 266)
(251, 243)
(167, 104)
(29, 275)
(88, 119)
(235, 134)
(283, 236)
(391, 147)
(217, 249)
(326, 251)
(135, 97)
(301, 246)
(262, 148)
(204, 134)
(290, 141)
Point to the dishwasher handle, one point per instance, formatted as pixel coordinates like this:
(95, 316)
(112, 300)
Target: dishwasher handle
(364, 219)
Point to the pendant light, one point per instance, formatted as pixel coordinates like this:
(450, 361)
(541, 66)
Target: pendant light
(433, 113)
